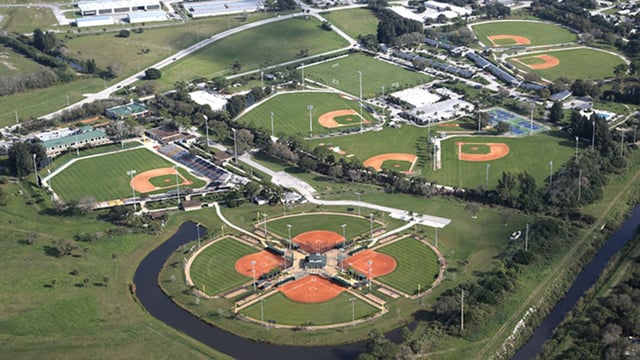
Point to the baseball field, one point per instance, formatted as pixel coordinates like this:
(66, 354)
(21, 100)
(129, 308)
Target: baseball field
(329, 222)
(358, 21)
(105, 177)
(342, 74)
(521, 32)
(417, 265)
(290, 114)
(575, 63)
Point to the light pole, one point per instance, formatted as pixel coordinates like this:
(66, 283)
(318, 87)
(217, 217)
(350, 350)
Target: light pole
(622, 141)
(479, 129)
(235, 146)
(289, 231)
(371, 225)
(370, 263)
(262, 310)
(360, 77)
(429, 131)
(262, 79)
(253, 270)
(341, 258)
(133, 189)
(206, 130)
(579, 185)
(486, 177)
(310, 109)
(17, 119)
(175, 168)
(593, 134)
(198, 230)
(531, 120)
(35, 168)
(550, 173)
(358, 193)
(302, 68)
(634, 134)
(344, 236)
(577, 149)
(353, 309)
(264, 219)
(382, 92)
(77, 145)
(273, 134)
(436, 238)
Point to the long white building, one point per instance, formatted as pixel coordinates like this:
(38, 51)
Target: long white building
(107, 7)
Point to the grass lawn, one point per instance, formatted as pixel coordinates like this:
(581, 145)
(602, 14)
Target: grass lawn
(40, 102)
(416, 264)
(26, 19)
(68, 156)
(354, 22)
(265, 45)
(557, 148)
(214, 267)
(69, 319)
(290, 114)
(539, 33)
(575, 64)
(284, 311)
(105, 177)
(396, 165)
(12, 63)
(342, 74)
(309, 222)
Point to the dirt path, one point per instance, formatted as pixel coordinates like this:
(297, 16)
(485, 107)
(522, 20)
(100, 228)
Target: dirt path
(559, 269)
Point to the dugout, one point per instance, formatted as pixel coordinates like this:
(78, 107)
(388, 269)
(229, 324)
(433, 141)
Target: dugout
(315, 261)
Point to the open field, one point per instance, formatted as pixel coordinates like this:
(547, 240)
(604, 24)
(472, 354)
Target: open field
(285, 311)
(417, 264)
(342, 74)
(39, 102)
(69, 319)
(330, 222)
(261, 46)
(105, 177)
(538, 33)
(290, 114)
(26, 19)
(12, 63)
(583, 63)
(556, 147)
(214, 267)
(354, 22)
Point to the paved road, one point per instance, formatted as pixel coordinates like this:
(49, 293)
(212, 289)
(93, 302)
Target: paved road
(286, 180)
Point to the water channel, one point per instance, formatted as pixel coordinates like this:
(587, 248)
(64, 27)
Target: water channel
(583, 282)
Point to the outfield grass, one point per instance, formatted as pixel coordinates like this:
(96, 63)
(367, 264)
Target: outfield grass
(396, 165)
(416, 264)
(539, 33)
(290, 114)
(354, 22)
(300, 224)
(26, 19)
(12, 63)
(214, 267)
(557, 148)
(285, 311)
(574, 64)
(269, 44)
(70, 155)
(68, 320)
(343, 74)
(38, 102)
(105, 177)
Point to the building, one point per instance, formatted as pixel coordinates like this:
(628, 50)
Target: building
(560, 96)
(219, 7)
(146, 16)
(108, 7)
(315, 261)
(95, 21)
(79, 139)
(133, 110)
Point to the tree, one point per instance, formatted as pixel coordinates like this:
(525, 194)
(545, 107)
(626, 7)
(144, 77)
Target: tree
(244, 140)
(114, 69)
(44, 41)
(236, 105)
(236, 67)
(21, 157)
(502, 127)
(506, 189)
(90, 66)
(152, 74)
(556, 114)
(124, 33)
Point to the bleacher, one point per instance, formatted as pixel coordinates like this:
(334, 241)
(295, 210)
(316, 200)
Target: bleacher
(195, 163)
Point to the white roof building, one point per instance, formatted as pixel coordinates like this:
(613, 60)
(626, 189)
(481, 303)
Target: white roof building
(106, 7)
(221, 7)
(146, 16)
(217, 102)
(95, 21)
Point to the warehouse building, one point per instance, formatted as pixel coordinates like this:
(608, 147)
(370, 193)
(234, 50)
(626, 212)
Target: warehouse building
(108, 7)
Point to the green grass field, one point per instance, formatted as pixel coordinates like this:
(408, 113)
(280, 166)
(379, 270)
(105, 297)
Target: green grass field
(299, 224)
(539, 33)
(574, 64)
(214, 267)
(557, 148)
(12, 63)
(284, 311)
(163, 181)
(26, 19)
(290, 114)
(416, 264)
(396, 165)
(354, 22)
(342, 74)
(105, 177)
(265, 45)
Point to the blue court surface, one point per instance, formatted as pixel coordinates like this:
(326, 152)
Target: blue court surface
(519, 125)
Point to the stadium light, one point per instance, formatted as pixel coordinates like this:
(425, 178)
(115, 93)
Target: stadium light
(550, 173)
(273, 134)
(486, 177)
(353, 309)
(253, 269)
(361, 119)
(593, 134)
(235, 146)
(175, 167)
(198, 230)
(310, 109)
(264, 219)
(206, 130)
(35, 168)
(344, 226)
(577, 149)
(133, 190)
(370, 262)
(371, 225)
(302, 68)
(289, 231)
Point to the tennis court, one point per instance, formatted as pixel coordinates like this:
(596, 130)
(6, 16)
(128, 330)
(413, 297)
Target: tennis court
(519, 125)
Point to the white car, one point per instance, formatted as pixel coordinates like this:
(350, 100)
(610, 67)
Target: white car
(515, 235)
